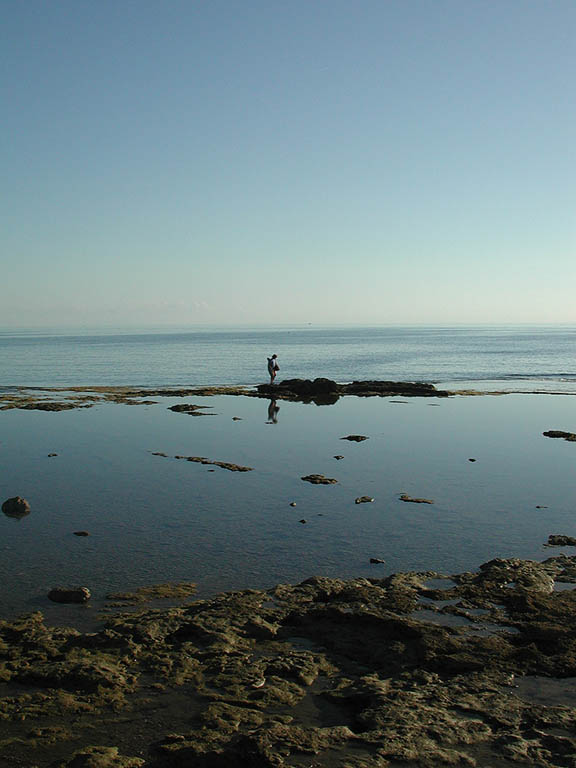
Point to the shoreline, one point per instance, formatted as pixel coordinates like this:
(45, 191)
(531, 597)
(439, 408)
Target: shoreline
(318, 391)
(420, 667)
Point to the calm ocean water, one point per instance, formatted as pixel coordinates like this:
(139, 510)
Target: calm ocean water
(154, 519)
(495, 357)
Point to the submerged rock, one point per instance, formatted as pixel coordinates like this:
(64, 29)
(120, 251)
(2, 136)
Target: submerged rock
(190, 409)
(16, 507)
(167, 591)
(405, 497)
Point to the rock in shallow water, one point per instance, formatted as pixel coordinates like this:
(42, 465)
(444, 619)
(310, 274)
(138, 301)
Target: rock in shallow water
(570, 436)
(558, 540)
(405, 497)
(319, 480)
(69, 594)
(16, 507)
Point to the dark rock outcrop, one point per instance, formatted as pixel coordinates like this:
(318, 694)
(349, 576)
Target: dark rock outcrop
(319, 480)
(569, 436)
(326, 391)
(16, 507)
(69, 594)
(558, 540)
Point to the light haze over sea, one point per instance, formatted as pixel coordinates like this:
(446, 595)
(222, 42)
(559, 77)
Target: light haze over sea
(499, 358)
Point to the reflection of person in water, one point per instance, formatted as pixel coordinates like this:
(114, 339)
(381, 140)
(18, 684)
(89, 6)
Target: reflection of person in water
(273, 412)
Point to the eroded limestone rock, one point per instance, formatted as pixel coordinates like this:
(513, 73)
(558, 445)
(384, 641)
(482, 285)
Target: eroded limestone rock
(349, 671)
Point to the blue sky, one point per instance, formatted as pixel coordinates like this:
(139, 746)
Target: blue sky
(376, 161)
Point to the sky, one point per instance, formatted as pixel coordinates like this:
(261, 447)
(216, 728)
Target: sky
(182, 162)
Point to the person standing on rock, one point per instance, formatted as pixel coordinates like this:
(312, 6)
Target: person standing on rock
(273, 367)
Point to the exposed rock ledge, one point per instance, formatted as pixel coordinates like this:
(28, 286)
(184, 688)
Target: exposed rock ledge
(320, 391)
(327, 391)
(358, 673)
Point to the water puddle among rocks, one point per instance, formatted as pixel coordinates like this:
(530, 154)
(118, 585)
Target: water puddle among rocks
(485, 630)
(550, 691)
(444, 619)
(437, 603)
(563, 586)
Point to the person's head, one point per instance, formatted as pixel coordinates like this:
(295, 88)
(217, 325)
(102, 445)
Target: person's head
(273, 356)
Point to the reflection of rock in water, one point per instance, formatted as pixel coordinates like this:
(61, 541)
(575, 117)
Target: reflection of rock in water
(16, 507)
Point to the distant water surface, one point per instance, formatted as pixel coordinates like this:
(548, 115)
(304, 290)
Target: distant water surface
(496, 357)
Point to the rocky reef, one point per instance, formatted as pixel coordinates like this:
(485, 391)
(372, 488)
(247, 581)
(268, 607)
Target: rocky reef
(414, 669)
(320, 391)
(325, 391)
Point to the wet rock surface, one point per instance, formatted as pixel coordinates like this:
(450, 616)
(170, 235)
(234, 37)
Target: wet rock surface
(319, 480)
(203, 460)
(16, 507)
(326, 672)
(326, 391)
(414, 500)
(320, 391)
(69, 594)
(570, 436)
(559, 540)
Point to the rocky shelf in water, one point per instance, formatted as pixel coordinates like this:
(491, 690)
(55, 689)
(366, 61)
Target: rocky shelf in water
(361, 673)
(321, 391)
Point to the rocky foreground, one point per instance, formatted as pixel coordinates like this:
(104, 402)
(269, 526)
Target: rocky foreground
(407, 670)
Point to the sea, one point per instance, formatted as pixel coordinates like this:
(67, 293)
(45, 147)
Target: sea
(520, 358)
(498, 487)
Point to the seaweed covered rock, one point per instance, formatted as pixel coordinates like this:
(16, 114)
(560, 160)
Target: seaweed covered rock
(363, 672)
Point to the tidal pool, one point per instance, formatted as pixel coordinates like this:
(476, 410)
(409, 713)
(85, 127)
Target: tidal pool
(154, 519)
